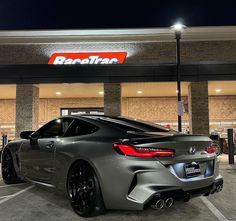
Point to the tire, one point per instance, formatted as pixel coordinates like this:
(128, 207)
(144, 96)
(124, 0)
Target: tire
(8, 171)
(84, 190)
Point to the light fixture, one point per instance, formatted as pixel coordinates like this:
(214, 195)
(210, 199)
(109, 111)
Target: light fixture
(58, 93)
(139, 92)
(101, 92)
(218, 90)
(177, 91)
(178, 27)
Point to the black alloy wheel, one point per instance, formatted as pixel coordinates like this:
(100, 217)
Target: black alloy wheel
(84, 190)
(8, 171)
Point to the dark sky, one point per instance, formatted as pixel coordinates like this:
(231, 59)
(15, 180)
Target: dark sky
(80, 14)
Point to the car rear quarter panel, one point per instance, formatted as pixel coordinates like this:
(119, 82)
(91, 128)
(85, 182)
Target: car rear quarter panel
(115, 172)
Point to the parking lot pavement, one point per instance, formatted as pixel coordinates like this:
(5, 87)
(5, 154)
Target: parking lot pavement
(37, 204)
(226, 200)
(24, 202)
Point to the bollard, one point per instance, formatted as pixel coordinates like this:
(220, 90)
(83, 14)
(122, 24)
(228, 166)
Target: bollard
(231, 146)
(4, 140)
(4, 143)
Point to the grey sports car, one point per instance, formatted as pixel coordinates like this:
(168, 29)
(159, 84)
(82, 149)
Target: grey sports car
(103, 162)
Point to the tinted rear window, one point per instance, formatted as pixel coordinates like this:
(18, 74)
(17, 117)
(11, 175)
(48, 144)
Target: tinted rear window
(134, 125)
(79, 128)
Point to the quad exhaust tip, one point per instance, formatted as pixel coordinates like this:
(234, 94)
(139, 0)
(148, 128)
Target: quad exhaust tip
(169, 202)
(219, 188)
(161, 203)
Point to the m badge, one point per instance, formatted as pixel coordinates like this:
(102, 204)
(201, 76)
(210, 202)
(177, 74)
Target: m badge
(192, 150)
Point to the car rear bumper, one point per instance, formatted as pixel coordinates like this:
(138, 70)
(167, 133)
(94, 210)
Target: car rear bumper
(180, 194)
(141, 184)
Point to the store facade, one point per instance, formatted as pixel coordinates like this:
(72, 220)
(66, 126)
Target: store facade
(114, 58)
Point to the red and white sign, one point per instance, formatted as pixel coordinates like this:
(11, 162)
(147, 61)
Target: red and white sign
(88, 58)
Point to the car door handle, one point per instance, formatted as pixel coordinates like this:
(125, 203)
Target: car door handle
(50, 145)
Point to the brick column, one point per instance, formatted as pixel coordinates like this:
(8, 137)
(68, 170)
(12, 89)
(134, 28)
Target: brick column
(198, 108)
(112, 99)
(27, 108)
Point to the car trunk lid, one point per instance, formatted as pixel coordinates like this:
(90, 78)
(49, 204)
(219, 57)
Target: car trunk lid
(186, 147)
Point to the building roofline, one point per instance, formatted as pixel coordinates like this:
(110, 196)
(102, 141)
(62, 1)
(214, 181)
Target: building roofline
(191, 33)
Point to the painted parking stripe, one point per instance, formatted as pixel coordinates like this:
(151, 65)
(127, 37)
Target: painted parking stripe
(18, 184)
(16, 194)
(2, 197)
(213, 209)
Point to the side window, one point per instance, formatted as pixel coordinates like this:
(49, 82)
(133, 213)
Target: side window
(79, 128)
(54, 129)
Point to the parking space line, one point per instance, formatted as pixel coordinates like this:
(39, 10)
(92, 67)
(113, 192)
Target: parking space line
(16, 194)
(2, 197)
(17, 184)
(213, 209)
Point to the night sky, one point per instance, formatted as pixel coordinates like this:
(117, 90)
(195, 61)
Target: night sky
(50, 14)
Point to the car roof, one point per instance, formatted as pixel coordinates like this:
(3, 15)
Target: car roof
(92, 116)
(121, 120)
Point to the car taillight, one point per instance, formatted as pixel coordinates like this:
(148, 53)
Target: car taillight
(145, 152)
(211, 150)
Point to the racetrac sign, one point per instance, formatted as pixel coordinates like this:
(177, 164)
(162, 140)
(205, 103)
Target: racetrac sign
(88, 58)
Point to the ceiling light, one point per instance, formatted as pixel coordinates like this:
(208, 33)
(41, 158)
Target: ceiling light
(58, 93)
(101, 92)
(139, 92)
(218, 90)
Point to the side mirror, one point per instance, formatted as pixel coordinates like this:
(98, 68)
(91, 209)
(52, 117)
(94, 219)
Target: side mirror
(26, 134)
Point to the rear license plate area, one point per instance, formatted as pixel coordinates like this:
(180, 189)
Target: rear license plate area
(192, 169)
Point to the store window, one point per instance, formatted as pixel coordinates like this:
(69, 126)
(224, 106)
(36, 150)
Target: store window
(79, 111)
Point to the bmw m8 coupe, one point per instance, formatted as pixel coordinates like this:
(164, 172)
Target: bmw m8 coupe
(103, 162)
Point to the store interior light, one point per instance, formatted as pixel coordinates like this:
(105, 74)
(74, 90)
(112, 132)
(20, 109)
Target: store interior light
(58, 93)
(218, 90)
(139, 92)
(101, 92)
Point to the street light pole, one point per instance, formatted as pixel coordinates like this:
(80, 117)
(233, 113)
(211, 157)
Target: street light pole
(178, 28)
(180, 107)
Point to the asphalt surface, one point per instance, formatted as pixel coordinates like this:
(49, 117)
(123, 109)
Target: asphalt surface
(25, 202)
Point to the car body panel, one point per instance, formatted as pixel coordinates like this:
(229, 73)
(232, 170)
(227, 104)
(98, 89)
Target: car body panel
(37, 159)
